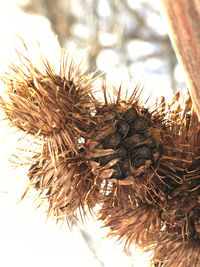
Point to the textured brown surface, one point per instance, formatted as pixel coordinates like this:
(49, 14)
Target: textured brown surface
(139, 164)
(183, 18)
(168, 225)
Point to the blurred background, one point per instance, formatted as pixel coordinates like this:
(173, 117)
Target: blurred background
(127, 41)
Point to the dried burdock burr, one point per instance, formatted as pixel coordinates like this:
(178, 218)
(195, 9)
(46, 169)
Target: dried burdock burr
(179, 240)
(68, 186)
(169, 226)
(172, 251)
(54, 110)
(137, 137)
(53, 106)
(130, 220)
(140, 163)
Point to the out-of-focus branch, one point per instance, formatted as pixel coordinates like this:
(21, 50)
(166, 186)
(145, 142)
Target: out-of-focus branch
(58, 19)
(90, 245)
(183, 18)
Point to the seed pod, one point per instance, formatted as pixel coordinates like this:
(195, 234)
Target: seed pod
(67, 186)
(161, 171)
(133, 141)
(130, 114)
(141, 152)
(123, 127)
(113, 141)
(140, 124)
(129, 220)
(172, 251)
(140, 165)
(54, 107)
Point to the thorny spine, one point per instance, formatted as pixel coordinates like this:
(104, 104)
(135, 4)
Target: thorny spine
(140, 164)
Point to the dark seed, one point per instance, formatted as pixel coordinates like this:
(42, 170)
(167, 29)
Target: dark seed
(138, 162)
(140, 124)
(125, 165)
(113, 141)
(133, 141)
(146, 113)
(117, 171)
(123, 127)
(150, 141)
(120, 153)
(130, 114)
(141, 152)
(104, 160)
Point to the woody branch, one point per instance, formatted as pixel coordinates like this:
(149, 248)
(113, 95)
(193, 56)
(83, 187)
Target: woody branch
(183, 18)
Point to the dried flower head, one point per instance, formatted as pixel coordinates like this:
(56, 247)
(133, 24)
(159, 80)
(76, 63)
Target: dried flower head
(55, 109)
(138, 138)
(68, 186)
(140, 164)
(179, 240)
(169, 226)
(54, 106)
(129, 220)
(172, 251)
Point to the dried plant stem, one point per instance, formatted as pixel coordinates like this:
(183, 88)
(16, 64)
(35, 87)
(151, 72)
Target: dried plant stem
(183, 18)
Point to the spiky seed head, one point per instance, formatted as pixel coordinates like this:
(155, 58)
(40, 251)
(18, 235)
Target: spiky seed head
(180, 216)
(172, 251)
(141, 165)
(128, 219)
(136, 137)
(179, 241)
(176, 211)
(54, 106)
(68, 186)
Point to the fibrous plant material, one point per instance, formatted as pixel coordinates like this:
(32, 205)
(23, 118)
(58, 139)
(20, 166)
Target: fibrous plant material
(169, 226)
(54, 109)
(130, 221)
(137, 137)
(179, 240)
(53, 106)
(68, 186)
(140, 163)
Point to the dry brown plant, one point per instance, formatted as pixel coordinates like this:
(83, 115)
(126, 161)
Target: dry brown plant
(139, 163)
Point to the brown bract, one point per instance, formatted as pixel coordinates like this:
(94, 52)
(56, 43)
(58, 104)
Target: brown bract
(68, 186)
(55, 107)
(139, 163)
(139, 140)
(129, 220)
(172, 251)
(169, 225)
